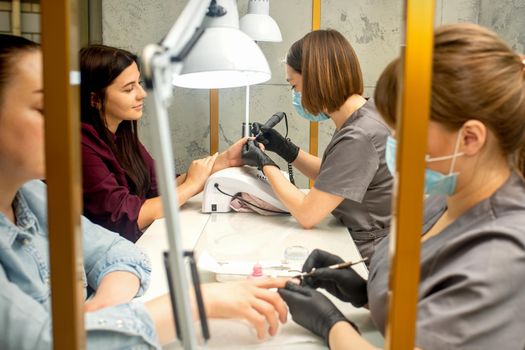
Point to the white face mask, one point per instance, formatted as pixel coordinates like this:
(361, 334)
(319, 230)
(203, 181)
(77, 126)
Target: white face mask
(296, 101)
(435, 182)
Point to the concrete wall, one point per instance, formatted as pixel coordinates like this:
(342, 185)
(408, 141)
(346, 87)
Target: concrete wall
(373, 27)
(507, 18)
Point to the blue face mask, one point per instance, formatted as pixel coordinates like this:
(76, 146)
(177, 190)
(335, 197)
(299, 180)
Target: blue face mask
(296, 101)
(435, 182)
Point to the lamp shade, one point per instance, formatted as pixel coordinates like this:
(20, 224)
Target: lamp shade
(223, 57)
(258, 24)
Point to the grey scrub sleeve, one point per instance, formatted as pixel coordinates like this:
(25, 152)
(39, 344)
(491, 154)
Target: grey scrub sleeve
(472, 283)
(353, 167)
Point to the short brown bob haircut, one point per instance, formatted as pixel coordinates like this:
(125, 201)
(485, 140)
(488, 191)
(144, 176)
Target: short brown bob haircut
(330, 70)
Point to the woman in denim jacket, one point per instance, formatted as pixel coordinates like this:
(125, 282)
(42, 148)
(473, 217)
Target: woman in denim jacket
(114, 267)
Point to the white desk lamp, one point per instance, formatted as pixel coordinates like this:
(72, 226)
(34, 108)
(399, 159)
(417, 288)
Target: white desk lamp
(259, 26)
(223, 56)
(203, 49)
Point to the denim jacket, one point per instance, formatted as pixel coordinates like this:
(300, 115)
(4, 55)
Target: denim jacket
(25, 294)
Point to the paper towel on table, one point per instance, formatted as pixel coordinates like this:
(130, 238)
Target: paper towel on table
(273, 268)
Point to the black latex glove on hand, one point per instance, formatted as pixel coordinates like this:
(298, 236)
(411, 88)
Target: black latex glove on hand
(311, 309)
(254, 156)
(345, 284)
(275, 142)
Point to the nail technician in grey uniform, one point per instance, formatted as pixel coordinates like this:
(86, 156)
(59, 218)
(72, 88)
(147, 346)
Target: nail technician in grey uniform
(351, 180)
(472, 260)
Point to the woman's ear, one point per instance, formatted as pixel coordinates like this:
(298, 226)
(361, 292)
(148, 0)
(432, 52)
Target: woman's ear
(474, 137)
(95, 101)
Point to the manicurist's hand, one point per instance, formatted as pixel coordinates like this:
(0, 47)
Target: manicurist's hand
(345, 284)
(311, 309)
(275, 142)
(248, 300)
(253, 155)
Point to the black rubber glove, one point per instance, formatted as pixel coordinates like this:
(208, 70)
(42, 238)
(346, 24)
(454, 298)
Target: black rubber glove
(345, 284)
(275, 142)
(254, 156)
(311, 309)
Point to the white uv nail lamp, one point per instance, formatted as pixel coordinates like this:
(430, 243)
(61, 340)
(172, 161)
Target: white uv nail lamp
(228, 182)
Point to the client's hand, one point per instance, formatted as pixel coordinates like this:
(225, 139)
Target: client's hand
(249, 300)
(233, 153)
(199, 171)
(231, 157)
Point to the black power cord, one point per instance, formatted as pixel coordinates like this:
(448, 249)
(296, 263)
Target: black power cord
(216, 185)
(290, 168)
(290, 173)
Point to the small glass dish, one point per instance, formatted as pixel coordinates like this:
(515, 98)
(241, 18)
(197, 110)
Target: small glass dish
(294, 257)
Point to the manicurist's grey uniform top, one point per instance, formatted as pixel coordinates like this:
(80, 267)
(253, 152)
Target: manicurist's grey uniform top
(472, 283)
(353, 167)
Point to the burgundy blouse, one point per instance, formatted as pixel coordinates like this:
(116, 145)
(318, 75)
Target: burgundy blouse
(107, 200)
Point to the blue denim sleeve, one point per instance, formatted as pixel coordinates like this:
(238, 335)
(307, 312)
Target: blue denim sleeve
(125, 326)
(26, 323)
(106, 251)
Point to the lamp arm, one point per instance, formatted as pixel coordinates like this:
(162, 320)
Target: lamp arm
(156, 107)
(158, 72)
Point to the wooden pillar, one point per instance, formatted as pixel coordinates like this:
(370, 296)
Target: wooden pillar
(314, 126)
(214, 121)
(407, 220)
(60, 38)
(16, 14)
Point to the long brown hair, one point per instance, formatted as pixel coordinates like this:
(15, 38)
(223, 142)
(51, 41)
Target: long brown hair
(99, 66)
(475, 76)
(330, 70)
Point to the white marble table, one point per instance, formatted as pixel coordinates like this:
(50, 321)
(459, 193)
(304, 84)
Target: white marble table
(248, 237)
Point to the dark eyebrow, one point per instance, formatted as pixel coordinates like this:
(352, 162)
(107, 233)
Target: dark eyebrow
(130, 83)
(39, 91)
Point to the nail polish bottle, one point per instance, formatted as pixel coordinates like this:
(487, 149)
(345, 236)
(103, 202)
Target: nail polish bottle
(257, 271)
